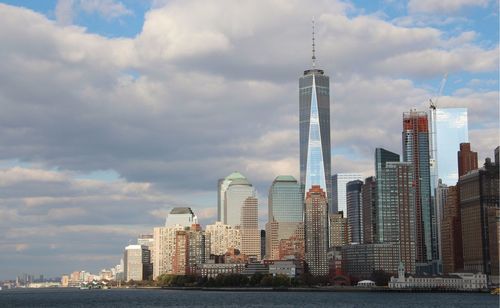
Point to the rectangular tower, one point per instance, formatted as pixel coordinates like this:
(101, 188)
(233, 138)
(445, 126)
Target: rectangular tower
(415, 137)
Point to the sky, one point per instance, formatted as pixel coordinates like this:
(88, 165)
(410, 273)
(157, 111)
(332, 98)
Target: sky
(113, 112)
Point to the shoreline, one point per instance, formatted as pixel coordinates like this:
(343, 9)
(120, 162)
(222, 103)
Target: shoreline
(313, 289)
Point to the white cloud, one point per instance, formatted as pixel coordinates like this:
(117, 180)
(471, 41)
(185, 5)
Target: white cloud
(109, 9)
(64, 12)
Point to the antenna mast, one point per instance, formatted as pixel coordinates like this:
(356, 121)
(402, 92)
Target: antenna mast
(313, 46)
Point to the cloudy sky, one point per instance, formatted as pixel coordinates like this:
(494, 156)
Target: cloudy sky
(113, 112)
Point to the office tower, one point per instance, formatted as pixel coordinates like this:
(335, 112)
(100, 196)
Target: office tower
(137, 262)
(285, 213)
(339, 230)
(238, 190)
(316, 230)
(451, 233)
(467, 159)
(222, 186)
(250, 232)
(339, 182)
(451, 131)
(314, 129)
(494, 233)
(164, 249)
(416, 151)
(386, 204)
(479, 192)
(222, 238)
(399, 177)
(182, 216)
(354, 218)
(368, 209)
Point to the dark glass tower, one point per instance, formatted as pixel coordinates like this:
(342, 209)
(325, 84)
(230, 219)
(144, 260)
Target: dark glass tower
(315, 154)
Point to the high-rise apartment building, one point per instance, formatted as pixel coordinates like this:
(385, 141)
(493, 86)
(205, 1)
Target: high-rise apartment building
(223, 237)
(222, 186)
(316, 231)
(339, 230)
(164, 249)
(285, 214)
(479, 198)
(354, 212)
(250, 232)
(416, 151)
(339, 194)
(467, 159)
(387, 201)
(137, 263)
(451, 233)
(314, 130)
(368, 209)
(399, 177)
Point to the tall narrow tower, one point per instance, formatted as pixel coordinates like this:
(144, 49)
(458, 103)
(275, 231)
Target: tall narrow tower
(314, 104)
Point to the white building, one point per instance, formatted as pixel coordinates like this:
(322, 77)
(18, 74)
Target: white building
(223, 237)
(235, 196)
(136, 259)
(339, 195)
(452, 281)
(183, 216)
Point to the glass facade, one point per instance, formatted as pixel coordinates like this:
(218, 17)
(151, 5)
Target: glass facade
(354, 213)
(451, 130)
(386, 207)
(416, 151)
(285, 210)
(338, 198)
(234, 198)
(222, 186)
(314, 113)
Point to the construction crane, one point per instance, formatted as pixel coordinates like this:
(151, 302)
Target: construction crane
(433, 103)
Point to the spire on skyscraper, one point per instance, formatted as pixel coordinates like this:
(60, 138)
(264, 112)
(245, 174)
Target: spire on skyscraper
(313, 46)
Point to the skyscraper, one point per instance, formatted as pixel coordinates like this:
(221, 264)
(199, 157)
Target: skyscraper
(182, 216)
(223, 237)
(285, 213)
(235, 195)
(314, 133)
(339, 230)
(316, 230)
(451, 131)
(415, 137)
(250, 232)
(137, 262)
(338, 199)
(354, 213)
(368, 208)
(222, 186)
(387, 202)
(479, 199)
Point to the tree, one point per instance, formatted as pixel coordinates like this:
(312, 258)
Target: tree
(380, 277)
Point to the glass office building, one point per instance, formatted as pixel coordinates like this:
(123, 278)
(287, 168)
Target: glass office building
(451, 130)
(314, 114)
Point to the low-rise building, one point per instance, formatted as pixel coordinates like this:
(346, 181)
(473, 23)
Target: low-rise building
(290, 268)
(360, 260)
(450, 282)
(211, 270)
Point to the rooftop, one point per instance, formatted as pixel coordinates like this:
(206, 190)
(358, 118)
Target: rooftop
(181, 210)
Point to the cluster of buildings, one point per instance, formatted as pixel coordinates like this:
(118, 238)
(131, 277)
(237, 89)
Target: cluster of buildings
(428, 212)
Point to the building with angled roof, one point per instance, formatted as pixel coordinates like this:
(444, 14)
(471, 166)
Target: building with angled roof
(222, 186)
(182, 216)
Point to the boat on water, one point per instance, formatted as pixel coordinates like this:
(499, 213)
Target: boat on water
(495, 291)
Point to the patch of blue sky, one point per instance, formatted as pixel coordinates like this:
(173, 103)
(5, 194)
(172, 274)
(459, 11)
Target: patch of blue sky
(100, 175)
(11, 163)
(127, 25)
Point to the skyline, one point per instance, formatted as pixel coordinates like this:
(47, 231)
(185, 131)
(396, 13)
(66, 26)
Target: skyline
(86, 156)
